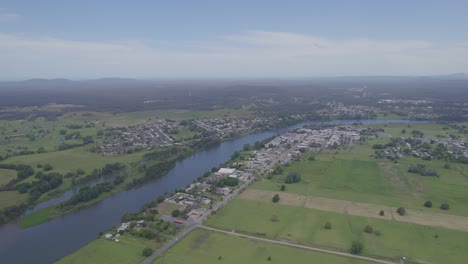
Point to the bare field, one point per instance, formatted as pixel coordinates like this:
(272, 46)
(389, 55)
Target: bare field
(360, 209)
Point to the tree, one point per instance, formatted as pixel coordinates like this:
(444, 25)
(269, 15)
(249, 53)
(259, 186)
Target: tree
(175, 213)
(401, 211)
(293, 177)
(147, 252)
(382, 213)
(327, 225)
(160, 198)
(269, 258)
(428, 204)
(47, 167)
(368, 229)
(275, 198)
(283, 187)
(356, 247)
(445, 206)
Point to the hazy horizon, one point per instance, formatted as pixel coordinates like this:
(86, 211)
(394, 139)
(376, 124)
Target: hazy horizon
(209, 39)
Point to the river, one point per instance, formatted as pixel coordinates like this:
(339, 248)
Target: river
(61, 236)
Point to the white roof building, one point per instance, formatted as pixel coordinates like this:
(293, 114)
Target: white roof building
(226, 171)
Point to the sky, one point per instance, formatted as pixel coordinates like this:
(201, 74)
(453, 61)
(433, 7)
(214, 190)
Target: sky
(220, 38)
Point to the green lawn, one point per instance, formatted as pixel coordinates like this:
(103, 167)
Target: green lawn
(304, 225)
(203, 246)
(6, 176)
(102, 251)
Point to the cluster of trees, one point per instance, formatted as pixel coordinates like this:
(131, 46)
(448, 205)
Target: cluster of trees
(23, 172)
(12, 212)
(45, 183)
(164, 153)
(107, 170)
(205, 142)
(86, 194)
(422, 170)
(293, 177)
(154, 172)
(227, 181)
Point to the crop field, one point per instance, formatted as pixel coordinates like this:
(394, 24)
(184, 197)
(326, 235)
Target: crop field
(204, 246)
(303, 225)
(351, 174)
(127, 250)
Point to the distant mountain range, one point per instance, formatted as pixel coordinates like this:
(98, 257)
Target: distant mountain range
(50, 83)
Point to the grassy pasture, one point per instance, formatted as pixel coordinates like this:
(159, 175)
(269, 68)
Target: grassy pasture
(203, 246)
(127, 250)
(6, 176)
(302, 225)
(352, 174)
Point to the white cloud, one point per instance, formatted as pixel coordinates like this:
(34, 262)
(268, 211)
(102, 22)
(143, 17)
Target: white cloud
(250, 54)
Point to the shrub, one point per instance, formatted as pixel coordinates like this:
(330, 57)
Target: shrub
(356, 247)
(401, 211)
(445, 206)
(327, 225)
(382, 213)
(283, 187)
(275, 198)
(428, 204)
(147, 252)
(377, 233)
(368, 229)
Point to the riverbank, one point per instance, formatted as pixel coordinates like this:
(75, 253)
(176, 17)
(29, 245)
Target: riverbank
(83, 225)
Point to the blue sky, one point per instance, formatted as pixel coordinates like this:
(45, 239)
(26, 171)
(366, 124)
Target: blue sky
(153, 39)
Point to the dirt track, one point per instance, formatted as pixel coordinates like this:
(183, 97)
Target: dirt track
(360, 209)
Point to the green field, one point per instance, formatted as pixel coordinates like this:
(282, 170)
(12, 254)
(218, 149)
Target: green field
(351, 174)
(203, 246)
(127, 250)
(6, 176)
(429, 129)
(9, 198)
(63, 162)
(302, 225)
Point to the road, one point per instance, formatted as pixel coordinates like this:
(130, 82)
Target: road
(198, 223)
(193, 224)
(343, 254)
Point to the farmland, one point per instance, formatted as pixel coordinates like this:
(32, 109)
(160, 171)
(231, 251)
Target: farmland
(304, 225)
(352, 174)
(203, 246)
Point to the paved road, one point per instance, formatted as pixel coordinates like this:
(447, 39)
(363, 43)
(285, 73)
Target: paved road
(192, 224)
(299, 246)
(171, 242)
